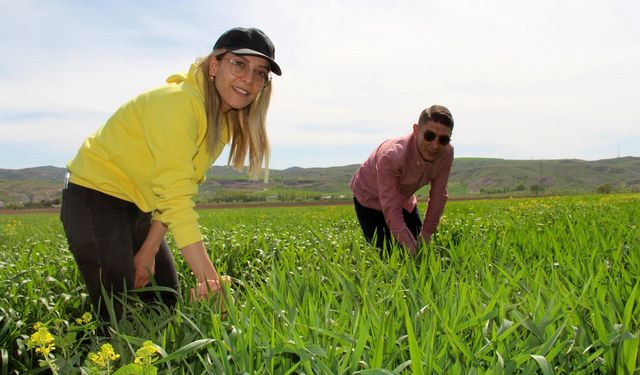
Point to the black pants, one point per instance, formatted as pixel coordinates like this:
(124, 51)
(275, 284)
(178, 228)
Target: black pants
(375, 227)
(104, 233)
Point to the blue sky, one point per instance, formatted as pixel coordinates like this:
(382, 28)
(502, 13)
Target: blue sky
(524, 80)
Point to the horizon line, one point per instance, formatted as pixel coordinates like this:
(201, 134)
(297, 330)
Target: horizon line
(346, 165)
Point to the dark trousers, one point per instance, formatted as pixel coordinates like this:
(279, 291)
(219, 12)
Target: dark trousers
(104, 233)
(375, 228)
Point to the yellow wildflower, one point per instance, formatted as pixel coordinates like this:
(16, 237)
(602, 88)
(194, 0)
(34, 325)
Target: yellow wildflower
(104, 357)
(42, 340)
(97, 360)
(145, 355)
(86, 318)
(45, 350)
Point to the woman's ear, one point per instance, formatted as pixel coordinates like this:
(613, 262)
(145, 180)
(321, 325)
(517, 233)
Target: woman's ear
(213, 67)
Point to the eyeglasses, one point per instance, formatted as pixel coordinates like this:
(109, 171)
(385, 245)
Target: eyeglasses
(239, 69)
(430, 136)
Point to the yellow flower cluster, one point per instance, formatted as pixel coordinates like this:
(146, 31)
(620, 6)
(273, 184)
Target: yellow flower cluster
(104, 357)
(146, 354)
(44, 343)
(86, 318)
(10, 226)
(42, 340)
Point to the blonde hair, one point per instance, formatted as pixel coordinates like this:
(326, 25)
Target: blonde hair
(247, 126)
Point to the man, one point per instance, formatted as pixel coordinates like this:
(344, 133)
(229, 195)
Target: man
(385, 184)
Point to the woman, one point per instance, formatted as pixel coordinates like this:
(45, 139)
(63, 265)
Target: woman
(137, 175)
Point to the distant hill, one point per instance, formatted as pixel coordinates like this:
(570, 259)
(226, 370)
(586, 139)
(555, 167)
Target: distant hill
(469, 176)
(30, 185)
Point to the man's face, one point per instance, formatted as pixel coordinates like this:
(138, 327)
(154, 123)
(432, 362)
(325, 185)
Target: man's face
(432, 138)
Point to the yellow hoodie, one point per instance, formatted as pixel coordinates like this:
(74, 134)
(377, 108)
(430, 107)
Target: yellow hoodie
(153, 152)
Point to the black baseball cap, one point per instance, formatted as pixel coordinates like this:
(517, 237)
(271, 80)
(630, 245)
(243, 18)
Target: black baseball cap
(249, 41)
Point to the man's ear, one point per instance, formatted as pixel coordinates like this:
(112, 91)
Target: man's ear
(416, 129)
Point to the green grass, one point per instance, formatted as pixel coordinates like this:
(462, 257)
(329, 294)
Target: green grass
(547, 286)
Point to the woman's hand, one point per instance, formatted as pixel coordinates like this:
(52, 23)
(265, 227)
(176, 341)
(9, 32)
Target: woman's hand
(209, 282)
(211, 289)
(144, 263)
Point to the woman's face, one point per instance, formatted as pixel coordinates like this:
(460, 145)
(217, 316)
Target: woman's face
(238, 79)
(430, 150)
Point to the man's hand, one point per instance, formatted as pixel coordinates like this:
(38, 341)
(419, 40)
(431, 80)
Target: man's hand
(423, 241)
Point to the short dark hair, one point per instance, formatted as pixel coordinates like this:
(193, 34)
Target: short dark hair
(436, 113)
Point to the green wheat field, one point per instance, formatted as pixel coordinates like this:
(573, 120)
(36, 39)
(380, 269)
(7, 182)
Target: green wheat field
(514, 286)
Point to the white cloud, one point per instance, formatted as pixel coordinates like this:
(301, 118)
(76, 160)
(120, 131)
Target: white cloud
(543, 80)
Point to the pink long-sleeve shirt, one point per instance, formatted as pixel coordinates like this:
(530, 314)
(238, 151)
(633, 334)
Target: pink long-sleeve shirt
(388, 179)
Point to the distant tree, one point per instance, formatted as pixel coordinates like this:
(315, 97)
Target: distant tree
(521, 187)
(604, 189)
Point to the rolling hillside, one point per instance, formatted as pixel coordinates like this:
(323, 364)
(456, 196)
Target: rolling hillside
(469, 176)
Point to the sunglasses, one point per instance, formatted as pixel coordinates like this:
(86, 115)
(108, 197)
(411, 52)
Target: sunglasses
(430, 136)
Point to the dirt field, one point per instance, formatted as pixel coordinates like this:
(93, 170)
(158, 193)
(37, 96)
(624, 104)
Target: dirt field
(24, 211)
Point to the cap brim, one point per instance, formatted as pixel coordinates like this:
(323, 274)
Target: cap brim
(246, 51)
